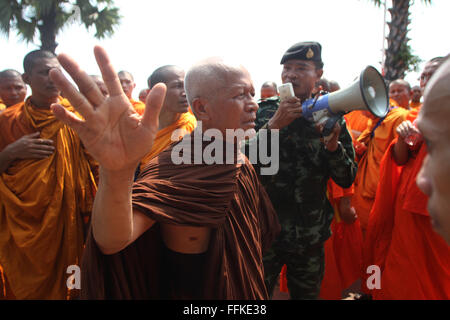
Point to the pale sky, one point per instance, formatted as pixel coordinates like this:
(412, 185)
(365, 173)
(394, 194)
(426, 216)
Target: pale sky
(254, 32)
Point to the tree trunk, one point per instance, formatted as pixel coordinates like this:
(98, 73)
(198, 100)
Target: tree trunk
(394, 65)
(48, 31)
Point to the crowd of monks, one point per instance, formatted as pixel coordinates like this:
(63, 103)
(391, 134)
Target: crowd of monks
(48, 183)
(382, 219)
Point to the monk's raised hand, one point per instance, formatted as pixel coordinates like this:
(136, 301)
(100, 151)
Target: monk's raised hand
(113, 133)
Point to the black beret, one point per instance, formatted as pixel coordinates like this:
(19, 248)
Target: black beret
(310, 50)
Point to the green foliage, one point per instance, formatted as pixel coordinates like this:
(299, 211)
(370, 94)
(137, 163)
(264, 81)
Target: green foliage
(411, 61)
(50, 16)
(404, 53)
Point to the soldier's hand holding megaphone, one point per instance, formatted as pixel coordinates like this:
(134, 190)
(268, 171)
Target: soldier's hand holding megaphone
(331, 141)
(288, 110)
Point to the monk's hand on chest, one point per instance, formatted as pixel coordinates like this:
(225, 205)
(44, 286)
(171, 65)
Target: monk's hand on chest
(31, 146)
(111, 130)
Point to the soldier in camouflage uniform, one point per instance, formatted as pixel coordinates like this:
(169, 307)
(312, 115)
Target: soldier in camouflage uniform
(298, 190)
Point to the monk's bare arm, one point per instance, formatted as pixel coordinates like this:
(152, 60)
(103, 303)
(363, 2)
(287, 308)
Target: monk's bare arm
(401, 150)
(114, 224)
(116, 137)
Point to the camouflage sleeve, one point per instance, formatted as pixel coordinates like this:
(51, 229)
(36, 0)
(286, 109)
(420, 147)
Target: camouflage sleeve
(266, 110)
(342, 162)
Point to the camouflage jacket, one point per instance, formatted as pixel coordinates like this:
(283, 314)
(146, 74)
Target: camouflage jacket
(299, 190)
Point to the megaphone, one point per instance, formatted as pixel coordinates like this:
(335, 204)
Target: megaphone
(369, 92)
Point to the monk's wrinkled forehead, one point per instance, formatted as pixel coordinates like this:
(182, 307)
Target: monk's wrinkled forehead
(234, 77)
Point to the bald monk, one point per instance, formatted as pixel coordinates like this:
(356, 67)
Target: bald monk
(434, 175)
(187, 231)
(334, 85)
(143, 95)
(128, 85)
(46, 189)
(400, 92)
(416, 95)
(12, 88)
(100, 84)
(174, 118)
(414, 260)
(269, 89)
(321, 85)
(374, 141)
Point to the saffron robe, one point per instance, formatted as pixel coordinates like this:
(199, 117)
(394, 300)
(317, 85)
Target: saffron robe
(414, 260)
(367, 176)
(356, 123)
(138, 106)
(414, 105)
(185, 124)
(343, 250)
(42, 205)
(228, 198)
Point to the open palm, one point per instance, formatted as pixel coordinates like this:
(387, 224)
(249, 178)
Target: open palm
(113, 133)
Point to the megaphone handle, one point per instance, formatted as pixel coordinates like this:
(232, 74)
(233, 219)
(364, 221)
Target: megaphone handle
(329, 125)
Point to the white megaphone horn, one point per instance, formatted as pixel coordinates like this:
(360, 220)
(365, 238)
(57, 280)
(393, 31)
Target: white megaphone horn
(369, 92)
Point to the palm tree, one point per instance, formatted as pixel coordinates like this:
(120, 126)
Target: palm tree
(50, 16)
(398, 57)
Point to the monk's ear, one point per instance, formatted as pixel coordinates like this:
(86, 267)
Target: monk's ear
(26, 78)
(199, 108)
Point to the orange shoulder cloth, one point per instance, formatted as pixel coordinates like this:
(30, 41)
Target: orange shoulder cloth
(185, 124)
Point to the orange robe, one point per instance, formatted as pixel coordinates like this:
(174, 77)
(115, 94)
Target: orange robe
(415, 105)
(185, 124)
(343, 250)
(356, 123)
(138, 106)
(42, 205)
(369, 164)
(414, 260)
(2, 105)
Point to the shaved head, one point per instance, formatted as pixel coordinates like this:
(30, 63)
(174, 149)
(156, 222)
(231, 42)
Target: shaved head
(439, 85)
(269, 89)
(400, 91)
(334, 85)
(127, 82)
(221, 95)
(124, 73)
(12, 87)
(402, 83)
(32, 57)
(162, 74)
(9, 73)
(100, 84)
(209, 76)
(434, 176)
(437, 97)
